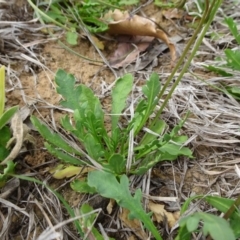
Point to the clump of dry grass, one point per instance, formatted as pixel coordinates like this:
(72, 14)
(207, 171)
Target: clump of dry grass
(21, 35)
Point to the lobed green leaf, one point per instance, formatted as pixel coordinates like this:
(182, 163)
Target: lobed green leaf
(217, 227)
(120, 93)
(82, 187)
(108, 186)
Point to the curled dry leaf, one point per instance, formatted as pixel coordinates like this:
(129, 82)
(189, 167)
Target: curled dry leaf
(123, 23)
(160, 213)
(20, 136)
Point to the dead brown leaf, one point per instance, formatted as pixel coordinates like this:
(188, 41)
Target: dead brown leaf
(128, 49)
(159, 213)
(98, 43)
(110, 206)
(132, 237)
(173, 13)
(135, 225)
(123, 23)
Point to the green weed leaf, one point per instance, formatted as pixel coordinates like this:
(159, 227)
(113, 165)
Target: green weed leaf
(94, 25)
(4, 152)
(63, 156)
(66, 87)
(67, 125)
(223, 205)
(193, 224)
(88, 221)
(108, 186)
(52, 137)
(116, 163)
(233, 28)
(7, 115)
(187, 203)
(72, 37)
(148, 162)
(91, 123)
(183, 233)
(80, 97)
(5, 134)
(93, 147)
(234, 91)
(88, 115)
(218, 71)
(128, 2)
(152, 88)
(234, 222)
(120, 93)
(158, 129)
(90, 103)
(146, 107)
(233, 59)
(175, 150)
(218, 228)
(8, 169)
(82, 187)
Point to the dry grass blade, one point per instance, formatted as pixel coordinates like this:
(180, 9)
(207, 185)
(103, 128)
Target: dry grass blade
(20, 32)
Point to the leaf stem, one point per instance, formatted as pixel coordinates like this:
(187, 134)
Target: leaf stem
(207, 18)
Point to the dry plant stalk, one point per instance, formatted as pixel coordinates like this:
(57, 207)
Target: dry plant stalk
(123, 23)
